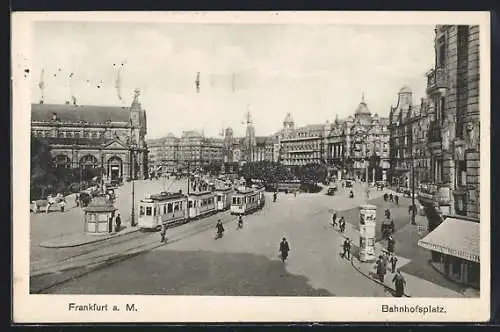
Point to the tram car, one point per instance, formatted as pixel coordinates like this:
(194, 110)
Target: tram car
(247, 200)
(223, 198)
(164, 208)
(201, 204)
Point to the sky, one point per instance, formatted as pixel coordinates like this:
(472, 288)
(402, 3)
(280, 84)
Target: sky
(315, 72)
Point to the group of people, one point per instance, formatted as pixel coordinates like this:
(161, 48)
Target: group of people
(382, 266)
(341, 222)
(391, 198)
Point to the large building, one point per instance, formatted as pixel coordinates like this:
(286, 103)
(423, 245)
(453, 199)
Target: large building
(409, 124)
(453, 142)
(164, 153)
(84, 136)
(354, 147)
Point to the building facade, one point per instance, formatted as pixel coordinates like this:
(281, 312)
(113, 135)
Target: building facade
(85, 136)
(164, 153)
(408, 127)
(356, 147)
(453, 143)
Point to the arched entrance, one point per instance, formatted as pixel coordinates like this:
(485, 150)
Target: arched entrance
(88, 166)
(61, 161)
(115, 168)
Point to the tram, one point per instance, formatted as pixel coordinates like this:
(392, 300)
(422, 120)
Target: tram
(164, 208)
(223, 198)
(247, 200)
(201, 204)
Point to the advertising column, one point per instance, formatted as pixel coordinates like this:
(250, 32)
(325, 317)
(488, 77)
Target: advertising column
(367, 223)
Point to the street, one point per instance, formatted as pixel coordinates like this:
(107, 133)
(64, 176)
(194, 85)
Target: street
(243, 262)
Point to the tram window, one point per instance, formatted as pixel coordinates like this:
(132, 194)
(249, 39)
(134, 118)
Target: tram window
(219, 198)
(141, 210)
(234, 200)
(154, 212)
(165, 209)
(176, 207)
(169, 208)
(180, 205)
(190, 204)
(148, 210)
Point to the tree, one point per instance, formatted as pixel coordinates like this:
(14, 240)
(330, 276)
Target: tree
(213, 168)
(42, 172)
(313, 173)
(267, 171)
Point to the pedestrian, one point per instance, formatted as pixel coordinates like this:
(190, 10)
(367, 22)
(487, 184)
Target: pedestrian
(118, 222)
(400, 283)
(284, 249)
(391, 197)
(397, 199)
(62, 204)
(346, 247)
(390, 244)
(163, 233)
(385, 261)
(380, 269)
(385, 197)
(394, 261)
(342, 224)
(387, 213)
(77, 200)
(334, 219)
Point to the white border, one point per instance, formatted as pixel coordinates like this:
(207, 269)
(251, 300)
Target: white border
(53, 308)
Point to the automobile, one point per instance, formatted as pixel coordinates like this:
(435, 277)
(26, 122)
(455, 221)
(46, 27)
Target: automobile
(348, 183)
(381, 185)
(331, 191)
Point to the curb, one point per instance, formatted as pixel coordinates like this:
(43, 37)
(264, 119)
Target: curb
(369, 277)
(97, 239)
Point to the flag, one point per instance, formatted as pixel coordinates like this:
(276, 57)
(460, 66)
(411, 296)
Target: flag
(197, 82)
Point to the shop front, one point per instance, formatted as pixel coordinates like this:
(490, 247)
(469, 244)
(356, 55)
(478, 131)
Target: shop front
(454, 245)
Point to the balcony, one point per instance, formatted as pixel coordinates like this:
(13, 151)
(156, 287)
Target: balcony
(434, 137)
(437, 80)
(433, 193)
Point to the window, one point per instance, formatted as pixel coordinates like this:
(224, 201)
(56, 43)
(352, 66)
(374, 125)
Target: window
(190, 205)
(165, 209)
(176, 207)
(441, 52)
(461, 173)
(148, 211)
(141, 210)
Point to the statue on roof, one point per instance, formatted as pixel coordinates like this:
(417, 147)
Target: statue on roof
(137, 93)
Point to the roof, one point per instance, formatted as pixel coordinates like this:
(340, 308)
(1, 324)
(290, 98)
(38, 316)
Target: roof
(100, 204)
(383, 121)
(455, 237)
(77, 113)
(362, 109)
(288, 118)
(405, 89)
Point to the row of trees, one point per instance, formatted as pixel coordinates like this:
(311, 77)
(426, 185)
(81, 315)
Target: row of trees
(271, 172)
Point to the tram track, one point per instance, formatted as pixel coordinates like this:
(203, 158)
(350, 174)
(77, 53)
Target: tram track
(83, 263)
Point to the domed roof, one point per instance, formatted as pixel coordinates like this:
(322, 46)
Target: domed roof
(288, 118)
(405, 89)
(362, 108)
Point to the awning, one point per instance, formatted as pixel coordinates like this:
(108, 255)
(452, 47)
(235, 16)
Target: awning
(454, 237)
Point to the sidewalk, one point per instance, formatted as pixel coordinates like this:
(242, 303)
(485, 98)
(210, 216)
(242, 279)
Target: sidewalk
(80, 239)
(415, 286)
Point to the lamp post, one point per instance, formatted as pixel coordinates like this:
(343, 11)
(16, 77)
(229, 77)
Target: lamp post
(132, 175)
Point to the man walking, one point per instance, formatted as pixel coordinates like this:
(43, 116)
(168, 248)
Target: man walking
(284, 249)
(163, 233)
(400, 283)
(347, 249)
(342, 224)
(334, 219)
(390, 244)
(380, 269)
(394, 261)
(118, 222)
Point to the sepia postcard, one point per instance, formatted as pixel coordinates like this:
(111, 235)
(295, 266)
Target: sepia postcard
(180, 167)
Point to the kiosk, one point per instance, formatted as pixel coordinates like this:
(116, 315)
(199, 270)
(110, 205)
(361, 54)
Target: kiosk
(367, 224)
(98, 216)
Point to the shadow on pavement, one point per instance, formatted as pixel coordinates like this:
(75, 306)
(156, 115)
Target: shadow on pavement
(193, 273)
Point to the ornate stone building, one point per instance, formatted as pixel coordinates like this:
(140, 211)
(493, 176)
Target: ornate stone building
(453, 138)
(354, 147)
(87, 136)
(408, 128)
